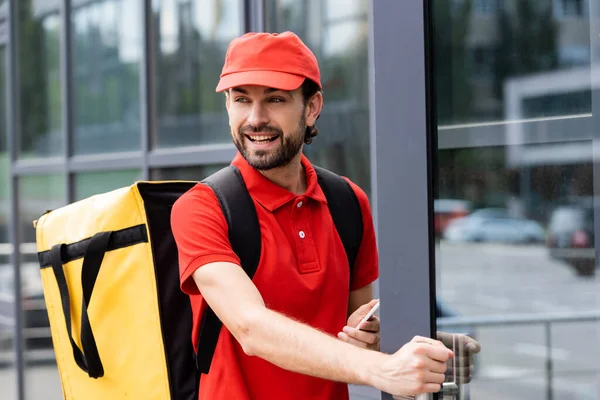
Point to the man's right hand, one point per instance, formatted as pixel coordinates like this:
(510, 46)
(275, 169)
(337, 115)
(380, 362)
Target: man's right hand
(418, 367)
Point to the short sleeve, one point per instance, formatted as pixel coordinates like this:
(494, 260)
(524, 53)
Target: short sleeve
(201, 234)
(366, 267)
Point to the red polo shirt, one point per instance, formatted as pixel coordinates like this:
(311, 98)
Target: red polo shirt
(303, 273)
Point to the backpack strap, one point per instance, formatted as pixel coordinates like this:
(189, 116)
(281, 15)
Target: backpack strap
(345, 211)
(244, 235)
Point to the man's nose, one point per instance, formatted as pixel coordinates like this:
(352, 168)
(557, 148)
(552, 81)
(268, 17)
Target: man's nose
(258, 115)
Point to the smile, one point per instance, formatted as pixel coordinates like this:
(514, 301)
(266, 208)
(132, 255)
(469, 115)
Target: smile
(261, 138)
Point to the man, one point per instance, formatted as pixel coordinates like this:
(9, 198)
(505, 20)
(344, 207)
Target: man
(289, 333)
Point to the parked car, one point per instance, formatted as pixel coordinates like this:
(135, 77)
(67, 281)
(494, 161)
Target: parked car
(447, 210)
(494, 225)
(571, 237)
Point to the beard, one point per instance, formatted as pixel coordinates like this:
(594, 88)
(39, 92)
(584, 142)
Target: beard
(290, 145)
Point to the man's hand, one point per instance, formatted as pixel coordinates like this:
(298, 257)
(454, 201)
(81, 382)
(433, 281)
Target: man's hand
(418, 367)
(464, 348)
(367, 336)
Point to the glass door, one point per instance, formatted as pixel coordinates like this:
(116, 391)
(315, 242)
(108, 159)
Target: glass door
(515, 83)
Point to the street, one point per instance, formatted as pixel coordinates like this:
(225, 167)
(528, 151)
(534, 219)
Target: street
(495, 279)
(478, 280)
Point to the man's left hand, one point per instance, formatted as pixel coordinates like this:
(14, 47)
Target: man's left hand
(367, 336)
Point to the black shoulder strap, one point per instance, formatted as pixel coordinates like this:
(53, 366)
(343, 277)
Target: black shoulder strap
(244, 236)
(345, 211)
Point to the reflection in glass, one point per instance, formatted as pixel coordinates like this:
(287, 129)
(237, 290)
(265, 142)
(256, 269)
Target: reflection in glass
(107, 47)
(191, 42)
(39, 80)
(514, 211)
(337, 32)
(36, 195)
(7, 369)
(90, 183)
(195, 173)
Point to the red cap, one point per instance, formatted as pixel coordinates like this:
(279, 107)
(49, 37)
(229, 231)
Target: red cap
(280, 61)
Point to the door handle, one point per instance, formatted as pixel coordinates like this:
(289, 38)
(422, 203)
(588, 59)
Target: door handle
(448, 389)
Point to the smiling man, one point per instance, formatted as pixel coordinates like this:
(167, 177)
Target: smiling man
(289, 332)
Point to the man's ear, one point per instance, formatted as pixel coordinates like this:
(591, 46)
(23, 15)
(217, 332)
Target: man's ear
(227, 99)
(313, 108)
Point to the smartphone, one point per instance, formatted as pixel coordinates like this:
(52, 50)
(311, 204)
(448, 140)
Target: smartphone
(369, 315)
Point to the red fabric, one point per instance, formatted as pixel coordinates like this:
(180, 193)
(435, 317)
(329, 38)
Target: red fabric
(306, 278)
(275, 60)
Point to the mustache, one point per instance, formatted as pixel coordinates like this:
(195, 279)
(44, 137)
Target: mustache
(247, 129)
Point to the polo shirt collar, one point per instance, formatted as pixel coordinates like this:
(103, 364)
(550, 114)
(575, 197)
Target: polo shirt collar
(270, 195)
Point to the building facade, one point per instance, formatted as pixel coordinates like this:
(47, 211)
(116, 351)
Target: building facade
(471, 124)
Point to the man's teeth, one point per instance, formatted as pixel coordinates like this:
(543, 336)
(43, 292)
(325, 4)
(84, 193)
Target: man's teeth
(261, 138)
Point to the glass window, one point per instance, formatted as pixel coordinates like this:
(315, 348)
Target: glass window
(191, 42)
(571, 8)
(486, 6)
(107, 48)
(90, 183)
(36, 195)
(4, 156)
(337, 32)
(515, 248)
(39, 79)
(195, 173)
(525, 39)
(7, 371)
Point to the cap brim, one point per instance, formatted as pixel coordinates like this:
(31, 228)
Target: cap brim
(272, 79)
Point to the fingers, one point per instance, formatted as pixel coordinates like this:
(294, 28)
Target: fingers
(361, 312)
(446, 338)
(371, 304)
(361, 335)
(365, 308)
(430, 388)
(460, 369)
(432, 348)
(420, 367)
(365, 340)
(423, 339)
(460, 375)
(372, 325)
(435, 377)
(470, 345)
(436, 366)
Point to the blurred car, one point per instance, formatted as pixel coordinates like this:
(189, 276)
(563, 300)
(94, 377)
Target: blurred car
(494, 225)
(447, 210)
(35, 316)
(571, 237)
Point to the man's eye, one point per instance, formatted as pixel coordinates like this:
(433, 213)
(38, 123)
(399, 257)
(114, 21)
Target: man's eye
(276, 100)
(241, 100)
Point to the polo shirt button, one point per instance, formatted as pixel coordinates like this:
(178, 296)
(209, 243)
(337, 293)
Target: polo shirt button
(299, 204)
(302, 235)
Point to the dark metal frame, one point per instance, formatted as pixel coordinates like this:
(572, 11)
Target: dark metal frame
(400, 130)
(13, 129)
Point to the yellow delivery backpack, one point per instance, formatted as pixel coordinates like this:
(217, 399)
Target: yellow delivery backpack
(121, 327)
